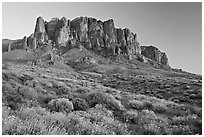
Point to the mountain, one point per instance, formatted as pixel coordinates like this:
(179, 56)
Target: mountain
(100, 37)
(86, 77)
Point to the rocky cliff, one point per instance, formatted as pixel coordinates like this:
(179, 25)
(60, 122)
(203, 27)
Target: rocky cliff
(155, 54)
(101, 37)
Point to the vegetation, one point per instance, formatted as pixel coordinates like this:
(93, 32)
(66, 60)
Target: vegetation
(51, 101)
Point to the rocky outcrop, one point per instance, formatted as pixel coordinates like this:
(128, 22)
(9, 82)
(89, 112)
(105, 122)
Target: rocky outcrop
(155, 54)
(24, 42)
(62, 32)
(101, 37)
(109, 30)
(51, 27)
(80, 25)
(128, 41)
(9, 45)
(95, 34)
(31, 42)
(39, 33)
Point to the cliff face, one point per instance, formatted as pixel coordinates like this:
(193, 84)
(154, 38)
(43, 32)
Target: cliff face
(91, 33)
(101, 37)
(155, 54)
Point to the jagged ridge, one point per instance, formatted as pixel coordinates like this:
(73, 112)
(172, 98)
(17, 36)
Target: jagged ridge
(100, 37)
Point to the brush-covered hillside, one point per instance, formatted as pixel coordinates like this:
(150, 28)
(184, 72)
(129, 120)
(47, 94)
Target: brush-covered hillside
(86, 77)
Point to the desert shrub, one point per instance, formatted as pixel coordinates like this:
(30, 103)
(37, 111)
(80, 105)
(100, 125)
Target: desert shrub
(131, 116)
(196, 123)
(44, 99)
(193, 122)
(40, 89)
(5, 66)
(147, 105)
(193, 109)
(61, 87)
(6, 86)
(60, 105)
(13, 99)
(80, 104)
(82, 90)
(179, 120)
(100, 110)
(151, 129)
(136, 104)
(5, 113)
(78, 124)
(150, 123)
(193, 96)
(103, 98)
(159, 108)
(27, 92)
(96, 121)
(45, 82)
(180, 130)
(32, 121)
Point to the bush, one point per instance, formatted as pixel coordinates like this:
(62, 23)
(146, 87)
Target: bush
(159, 108)
(193, 121)
(103, 98)
(32, 121)
(61, 105)
(78, 123)
(151, 129)
(96, 121)
(43, 100)
(131, 116)
(150, 123)
(28, 93)
(180, 130)
(136, 104)
(147, 105)
(80, 104)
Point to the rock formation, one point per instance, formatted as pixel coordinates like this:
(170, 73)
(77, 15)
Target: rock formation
(62, 32)
(154, 53)
(39, 33)
(99, 36)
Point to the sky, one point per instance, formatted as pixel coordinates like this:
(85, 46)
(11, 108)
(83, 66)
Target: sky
(174, 28)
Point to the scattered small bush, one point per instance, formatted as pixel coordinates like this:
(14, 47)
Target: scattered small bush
(28, 93)
(103, 98)
(61, 105)
(147, 105)
(180, 130)
(131, 116)
(136, 104)
(159, 108)
(80, 104)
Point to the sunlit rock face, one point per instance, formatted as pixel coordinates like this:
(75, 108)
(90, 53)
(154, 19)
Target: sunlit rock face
(154, 53)
(39, 32)
(99, 36)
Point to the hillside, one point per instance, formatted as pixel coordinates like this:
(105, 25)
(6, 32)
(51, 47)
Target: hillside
(86, 77)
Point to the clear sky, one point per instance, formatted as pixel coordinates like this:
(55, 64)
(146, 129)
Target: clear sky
(175, 28)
